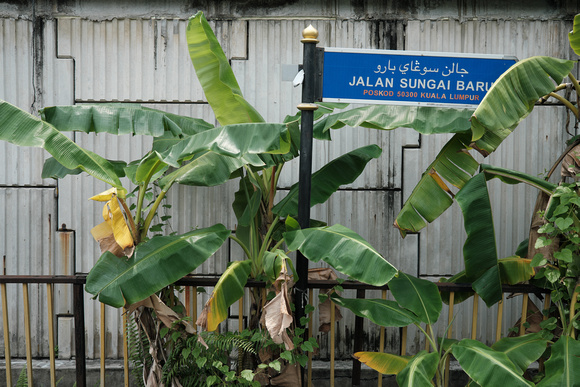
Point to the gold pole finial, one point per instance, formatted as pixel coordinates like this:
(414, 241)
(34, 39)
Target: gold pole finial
(310, 34)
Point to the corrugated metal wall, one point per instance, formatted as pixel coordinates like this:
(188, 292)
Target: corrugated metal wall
(136, 52)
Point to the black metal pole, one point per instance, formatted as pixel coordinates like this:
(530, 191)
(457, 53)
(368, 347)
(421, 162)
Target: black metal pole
(307, 108)
(79, 317)
(358, 341)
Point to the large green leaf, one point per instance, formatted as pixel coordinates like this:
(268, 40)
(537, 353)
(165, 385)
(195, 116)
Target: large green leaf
(247, 201)
(424, 119)
(512, 270)
(419, 371)
(120, 119)
(512, 98)
(385, 363)
(344, 250)
(509, 176)
(417, 295)
(155, 264)
(479, 250)
(206, 169)
(431, 196)
(563, 366)
(23, 129)
(229, 289)
(232, 140)
(216, 76)
(522, 350)
(487, 367)
(385, 313)
(54, 170)
(342, 170)
(574, 35)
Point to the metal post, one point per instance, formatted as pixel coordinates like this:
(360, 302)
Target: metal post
(307, 107)
(79, 313)
(358, 341)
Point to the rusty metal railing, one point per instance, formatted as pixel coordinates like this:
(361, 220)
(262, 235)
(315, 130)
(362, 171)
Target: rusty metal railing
(191, 284)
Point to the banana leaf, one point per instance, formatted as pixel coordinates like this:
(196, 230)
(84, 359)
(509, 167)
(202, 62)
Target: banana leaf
(512, 98)
(206, 169)
(216, 76)
(229, 289)
(574, 35)
(512, 270)
(487, 367)
(419, 371)
(118, 119)
(54, 170)
(417, 295)
(232, 140)
(509, 176)
(23, 129)
(424, 119)
(479, 250)
(342, 170)
(431, 196)
(563, 366)
(344, 250)
(246, 201)
(155, 264)
(384, 363)
(522, 350)
(385, 313)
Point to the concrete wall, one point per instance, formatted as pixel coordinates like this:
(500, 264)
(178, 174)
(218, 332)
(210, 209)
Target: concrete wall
(65, 52)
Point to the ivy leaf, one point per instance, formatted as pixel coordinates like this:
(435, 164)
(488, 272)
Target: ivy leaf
(564, 255)
(538, 260)
(563, 223)
(542, 242)
(552, 275)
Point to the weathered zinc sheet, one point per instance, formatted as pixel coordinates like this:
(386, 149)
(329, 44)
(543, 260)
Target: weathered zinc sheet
(137, 53)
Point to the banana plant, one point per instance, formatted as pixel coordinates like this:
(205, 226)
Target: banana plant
(417, 301)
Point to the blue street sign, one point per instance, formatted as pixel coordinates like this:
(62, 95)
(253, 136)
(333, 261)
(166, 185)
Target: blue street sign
(409, 77)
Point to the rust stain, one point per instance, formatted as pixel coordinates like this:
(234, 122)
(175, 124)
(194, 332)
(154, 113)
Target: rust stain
(65, 243)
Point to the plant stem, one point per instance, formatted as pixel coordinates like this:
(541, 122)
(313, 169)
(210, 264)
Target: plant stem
(142, 191)
(566, 103)
(152, 213)
(428, 337)
(576, 85)
(242, 245)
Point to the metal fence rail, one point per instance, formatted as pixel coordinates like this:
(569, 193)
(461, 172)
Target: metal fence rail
(191, 284)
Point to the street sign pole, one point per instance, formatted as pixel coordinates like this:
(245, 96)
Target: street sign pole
(307, 107)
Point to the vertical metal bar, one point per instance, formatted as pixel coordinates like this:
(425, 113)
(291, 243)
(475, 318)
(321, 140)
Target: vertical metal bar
(449, 332)
(79, 317)
(27, 334)
(188, 301)
(103, 334)
(403, 341)
(382, 341)
(332, 341)
(474, 317)
(194, 315)
(524, 314)
(358, 339)
(499, 319)
(6, 334)
(125, 349)
(50, 306)
(307, 108)
(241, 315)
(310, 297)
